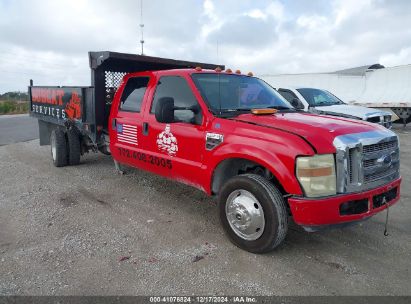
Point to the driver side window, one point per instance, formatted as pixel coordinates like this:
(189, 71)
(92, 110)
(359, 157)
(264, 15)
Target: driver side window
(177, 88)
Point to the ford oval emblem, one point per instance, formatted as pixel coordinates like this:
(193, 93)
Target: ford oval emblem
(387, 159)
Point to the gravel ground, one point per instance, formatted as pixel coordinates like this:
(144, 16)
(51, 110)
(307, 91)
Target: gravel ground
(86, 230)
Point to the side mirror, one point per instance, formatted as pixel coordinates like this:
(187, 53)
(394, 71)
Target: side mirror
(296, 103)
(164, 111)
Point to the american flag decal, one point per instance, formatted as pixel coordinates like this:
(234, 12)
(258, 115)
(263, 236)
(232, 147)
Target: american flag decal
(127, 134)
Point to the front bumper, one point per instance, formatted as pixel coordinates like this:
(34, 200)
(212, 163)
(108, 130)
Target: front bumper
(345, 208)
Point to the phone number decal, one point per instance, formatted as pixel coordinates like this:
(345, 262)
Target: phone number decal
(146, 158)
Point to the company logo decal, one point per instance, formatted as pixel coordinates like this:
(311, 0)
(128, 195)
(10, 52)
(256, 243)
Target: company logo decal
(62, 103)
(385, 160)
(47, 96)
(166, 142)
(73, 107)
(213, 140)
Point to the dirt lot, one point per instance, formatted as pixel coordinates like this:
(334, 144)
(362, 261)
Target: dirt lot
(85, 230)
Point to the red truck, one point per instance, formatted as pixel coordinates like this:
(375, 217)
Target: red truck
(228, 134)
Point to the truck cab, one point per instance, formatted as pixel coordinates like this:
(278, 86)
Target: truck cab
(228, 134)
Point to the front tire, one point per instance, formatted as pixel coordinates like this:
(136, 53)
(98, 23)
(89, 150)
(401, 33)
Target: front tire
(253, 213)
(58, 145)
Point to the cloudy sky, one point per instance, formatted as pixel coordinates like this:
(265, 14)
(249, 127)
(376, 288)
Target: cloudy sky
(48, 41)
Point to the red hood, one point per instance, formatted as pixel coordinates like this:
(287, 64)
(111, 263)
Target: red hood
(319, 130)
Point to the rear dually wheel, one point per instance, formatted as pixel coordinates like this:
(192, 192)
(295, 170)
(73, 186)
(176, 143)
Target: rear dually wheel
(58, 145)
(74, 147)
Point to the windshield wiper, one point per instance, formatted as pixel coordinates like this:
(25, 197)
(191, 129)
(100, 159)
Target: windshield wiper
(235, 110)
(232, 112)
(246, 110)
(280, 108)
(326, 104)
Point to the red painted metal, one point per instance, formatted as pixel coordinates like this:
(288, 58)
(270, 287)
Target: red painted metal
(325, 211)
(274, 141)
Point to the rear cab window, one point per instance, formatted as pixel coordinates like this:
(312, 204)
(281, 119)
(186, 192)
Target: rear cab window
(133, 94)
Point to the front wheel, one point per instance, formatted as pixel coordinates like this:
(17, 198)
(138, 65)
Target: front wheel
(253, 213)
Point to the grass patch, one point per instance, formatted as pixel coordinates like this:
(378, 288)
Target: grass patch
(13, 107)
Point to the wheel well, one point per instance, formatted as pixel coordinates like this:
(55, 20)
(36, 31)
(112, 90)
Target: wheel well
(235, 166)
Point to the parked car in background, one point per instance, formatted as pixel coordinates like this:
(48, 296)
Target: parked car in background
(323, 102)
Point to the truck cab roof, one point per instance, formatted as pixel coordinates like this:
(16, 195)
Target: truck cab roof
(189, 71)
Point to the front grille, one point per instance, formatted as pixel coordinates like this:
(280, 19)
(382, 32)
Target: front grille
(380, 146)
(375, 176)
(368, 163)
(366, 160)
(380, 160)
(350, 164)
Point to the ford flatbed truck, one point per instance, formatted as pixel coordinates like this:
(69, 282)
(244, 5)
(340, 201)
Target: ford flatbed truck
(230, 135)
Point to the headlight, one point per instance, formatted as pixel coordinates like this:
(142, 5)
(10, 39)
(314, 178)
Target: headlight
(317, 175)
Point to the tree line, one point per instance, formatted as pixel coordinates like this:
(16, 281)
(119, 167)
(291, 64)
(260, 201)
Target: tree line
(14, 96)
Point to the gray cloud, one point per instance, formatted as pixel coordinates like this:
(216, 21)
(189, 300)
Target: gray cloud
(49, 41)
(246, 32)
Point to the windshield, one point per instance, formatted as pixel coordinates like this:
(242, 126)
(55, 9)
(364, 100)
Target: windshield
(317, 97)
(225, 93)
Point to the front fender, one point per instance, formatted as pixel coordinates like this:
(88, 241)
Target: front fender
(281, 165)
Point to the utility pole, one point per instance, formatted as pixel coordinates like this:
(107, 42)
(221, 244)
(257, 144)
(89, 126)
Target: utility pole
(142, 28)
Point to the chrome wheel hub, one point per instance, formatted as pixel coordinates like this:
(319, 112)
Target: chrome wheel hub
(245, 215)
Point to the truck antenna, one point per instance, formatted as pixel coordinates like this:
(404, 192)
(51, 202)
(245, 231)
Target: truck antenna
(219, 83)
(142, 28)
(218, 59)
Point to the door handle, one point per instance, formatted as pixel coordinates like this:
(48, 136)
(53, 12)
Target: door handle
(114, 124)
(145, 128)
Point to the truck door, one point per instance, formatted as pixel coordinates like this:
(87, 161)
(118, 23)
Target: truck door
(126, 142)
(176, 149)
